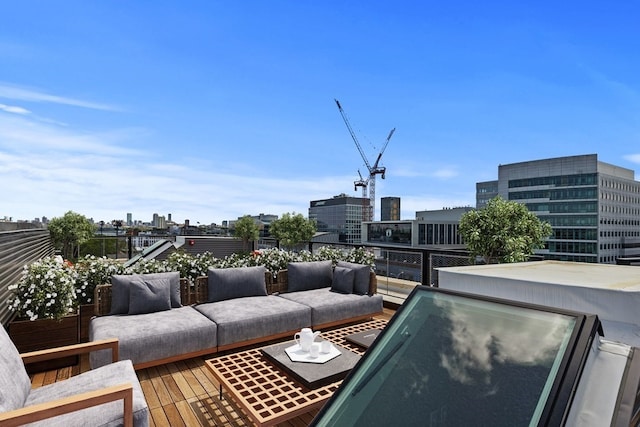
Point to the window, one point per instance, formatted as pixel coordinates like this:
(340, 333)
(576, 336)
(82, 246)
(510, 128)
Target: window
(448, 358)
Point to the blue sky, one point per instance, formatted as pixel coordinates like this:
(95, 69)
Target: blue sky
(212, 110)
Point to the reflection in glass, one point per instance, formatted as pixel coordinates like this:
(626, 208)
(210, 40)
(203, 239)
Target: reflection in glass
(452, 360)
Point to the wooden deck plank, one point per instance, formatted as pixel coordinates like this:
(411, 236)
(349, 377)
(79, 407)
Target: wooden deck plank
(185, 393)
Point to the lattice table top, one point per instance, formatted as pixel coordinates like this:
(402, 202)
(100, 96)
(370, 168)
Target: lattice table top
(266, 392)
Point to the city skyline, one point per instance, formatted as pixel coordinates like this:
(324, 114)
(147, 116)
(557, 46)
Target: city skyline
(218, 110)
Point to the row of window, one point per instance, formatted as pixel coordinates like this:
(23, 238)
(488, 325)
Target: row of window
(571, 220)
(556, 194)
(556, 181)
(624, 186)
(575, 234)
(564, 207)
(574, 247)
(618, 233)
(620, 210)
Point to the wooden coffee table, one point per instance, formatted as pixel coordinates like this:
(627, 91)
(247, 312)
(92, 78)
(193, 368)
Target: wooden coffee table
(267, 394)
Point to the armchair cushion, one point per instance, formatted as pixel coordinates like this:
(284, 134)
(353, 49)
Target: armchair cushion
(14, 380)
(229, 283)
(121, 284)
(108, 414)
(343, 280)
(303, 276)
(361, 280)
(149, 296)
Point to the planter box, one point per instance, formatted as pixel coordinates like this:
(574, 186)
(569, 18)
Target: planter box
(87, 311)
(45, 333)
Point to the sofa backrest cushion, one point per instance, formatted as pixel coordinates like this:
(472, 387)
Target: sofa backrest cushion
(237, 282)
(14, 380)
(149, 296)
(306, 275)
(121, 288)
(343, 280)
(362, 276)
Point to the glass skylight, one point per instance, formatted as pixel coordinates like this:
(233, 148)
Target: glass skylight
(450, 359)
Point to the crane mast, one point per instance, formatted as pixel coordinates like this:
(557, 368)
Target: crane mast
(373, 170)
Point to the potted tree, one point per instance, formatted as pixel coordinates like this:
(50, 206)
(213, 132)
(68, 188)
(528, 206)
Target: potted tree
(44, 303)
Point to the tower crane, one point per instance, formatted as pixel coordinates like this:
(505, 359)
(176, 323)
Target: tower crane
(363, 183)
(373, 170)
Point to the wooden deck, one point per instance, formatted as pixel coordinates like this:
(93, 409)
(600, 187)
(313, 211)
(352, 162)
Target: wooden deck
(183, 393)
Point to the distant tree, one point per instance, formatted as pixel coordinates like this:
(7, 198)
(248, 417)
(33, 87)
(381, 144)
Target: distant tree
(69, 232)
(292, 229)
(247, 230)
(503, 231)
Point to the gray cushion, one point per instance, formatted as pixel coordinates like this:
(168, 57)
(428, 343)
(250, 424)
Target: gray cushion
(228, 283)
(243, 319)
(302, 276)
(153, 336)
(120, 284)
(343, 280)
(327, 307)
(148, 296)
(361, 281)
(14, 381)
(108, 414)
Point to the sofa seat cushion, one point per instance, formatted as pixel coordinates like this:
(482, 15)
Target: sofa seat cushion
(108, 414)
(328, 307)
(153, 336)
(248, 318)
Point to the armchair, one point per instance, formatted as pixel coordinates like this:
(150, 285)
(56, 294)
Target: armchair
(107, 396)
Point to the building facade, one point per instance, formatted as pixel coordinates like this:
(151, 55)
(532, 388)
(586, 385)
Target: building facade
(341, 215)
(390, 209)
(429, 228)
(592, 206)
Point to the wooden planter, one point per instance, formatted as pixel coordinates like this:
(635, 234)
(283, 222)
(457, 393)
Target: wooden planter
(45, 333)
(87, 311)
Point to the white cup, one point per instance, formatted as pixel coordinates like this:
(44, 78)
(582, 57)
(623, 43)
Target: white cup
(314, 351)
(325, 347)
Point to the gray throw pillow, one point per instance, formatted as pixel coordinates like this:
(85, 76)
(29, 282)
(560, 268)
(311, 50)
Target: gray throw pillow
(361, 281)
(228, 283)
(149, 295)
(302, 276)
(343, 280)
(120, 284)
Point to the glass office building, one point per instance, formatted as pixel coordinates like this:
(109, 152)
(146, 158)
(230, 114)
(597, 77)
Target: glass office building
(593, 207)
(341, 215)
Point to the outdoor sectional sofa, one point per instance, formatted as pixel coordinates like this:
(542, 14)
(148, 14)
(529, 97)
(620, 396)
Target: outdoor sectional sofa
(160, 318)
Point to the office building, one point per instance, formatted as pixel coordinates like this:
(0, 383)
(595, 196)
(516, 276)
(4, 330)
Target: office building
(341, 215)
(592, 206)
(390, 209)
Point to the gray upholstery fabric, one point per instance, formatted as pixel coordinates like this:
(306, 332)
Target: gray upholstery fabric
(228, 283)
(14, 381)
(343, 280)
(327, 306)
(361, 281)
(109, 414)
(302, 276)
(153, 336)
(242, 319)
(120, 284)
(148, 296)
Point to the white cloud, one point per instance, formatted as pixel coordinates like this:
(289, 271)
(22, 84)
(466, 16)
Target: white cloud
(635, 158)
(13, 109)
(444, 173)
(14, 92)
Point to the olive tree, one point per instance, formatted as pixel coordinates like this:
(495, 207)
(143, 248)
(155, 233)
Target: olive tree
(247, 230)
(503, 231)
(292, 229)
(69, 232)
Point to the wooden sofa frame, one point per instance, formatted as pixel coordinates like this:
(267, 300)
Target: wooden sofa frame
(43, 411)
